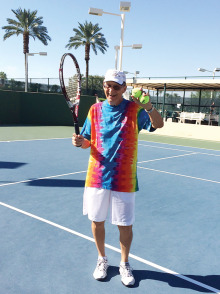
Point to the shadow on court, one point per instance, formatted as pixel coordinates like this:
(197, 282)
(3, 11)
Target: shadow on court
(112, 272)
(10, 164)
(173, 281)
(57, 183)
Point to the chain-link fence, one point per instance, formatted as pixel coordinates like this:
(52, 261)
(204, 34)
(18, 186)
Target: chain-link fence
(52, 85)
(174, 102)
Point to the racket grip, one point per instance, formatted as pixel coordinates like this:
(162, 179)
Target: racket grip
(76, 125)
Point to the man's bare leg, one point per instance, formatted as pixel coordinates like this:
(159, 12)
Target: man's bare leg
(98, 230)
(126, 236)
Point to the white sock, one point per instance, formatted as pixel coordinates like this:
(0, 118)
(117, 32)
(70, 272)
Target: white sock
(124, 263)
(102, 257)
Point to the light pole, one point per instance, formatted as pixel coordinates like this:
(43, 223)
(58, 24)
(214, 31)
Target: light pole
(124, 6)
(135, 73)
(134, 46)
(213, 73)
(26, 66)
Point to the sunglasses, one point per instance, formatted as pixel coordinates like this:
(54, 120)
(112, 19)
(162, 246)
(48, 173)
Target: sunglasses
(114, 87)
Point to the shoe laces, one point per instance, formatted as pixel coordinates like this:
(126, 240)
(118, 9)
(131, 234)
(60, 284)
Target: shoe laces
(102, 264)
(127, 270)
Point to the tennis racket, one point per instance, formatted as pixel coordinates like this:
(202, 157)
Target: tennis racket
(70, 82)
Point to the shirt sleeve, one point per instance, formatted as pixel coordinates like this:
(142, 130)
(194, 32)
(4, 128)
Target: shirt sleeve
(86, 129)
(144, 121)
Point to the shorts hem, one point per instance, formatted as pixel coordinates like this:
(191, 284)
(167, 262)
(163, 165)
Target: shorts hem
(96, 220)
(122, 224)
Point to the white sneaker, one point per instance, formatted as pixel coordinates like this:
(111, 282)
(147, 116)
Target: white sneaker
(127, 277)
(100, 272)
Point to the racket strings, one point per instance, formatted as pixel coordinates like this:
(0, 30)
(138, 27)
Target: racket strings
(72, 88)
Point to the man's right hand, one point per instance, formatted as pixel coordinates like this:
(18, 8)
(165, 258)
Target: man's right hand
(77, 140)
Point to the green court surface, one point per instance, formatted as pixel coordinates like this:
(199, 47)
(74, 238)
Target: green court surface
(11, 133)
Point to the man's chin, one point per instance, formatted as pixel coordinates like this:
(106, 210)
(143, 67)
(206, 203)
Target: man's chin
(111, 102)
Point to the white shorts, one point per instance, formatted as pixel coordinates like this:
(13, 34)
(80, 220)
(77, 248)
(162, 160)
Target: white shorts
(120, 205)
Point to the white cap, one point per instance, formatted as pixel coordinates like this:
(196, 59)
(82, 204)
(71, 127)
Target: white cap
(113, 75)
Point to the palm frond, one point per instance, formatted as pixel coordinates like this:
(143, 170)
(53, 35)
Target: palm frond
(27, 22)
(88, 35)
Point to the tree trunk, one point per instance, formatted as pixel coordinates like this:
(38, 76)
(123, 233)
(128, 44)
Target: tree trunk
(87, 51)
(26, 50)
(25, 42)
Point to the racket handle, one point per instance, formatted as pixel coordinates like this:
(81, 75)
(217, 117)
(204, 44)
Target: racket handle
(76, 125)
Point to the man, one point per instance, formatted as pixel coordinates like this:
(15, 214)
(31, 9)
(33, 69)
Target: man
(212, 108)
(111, 130)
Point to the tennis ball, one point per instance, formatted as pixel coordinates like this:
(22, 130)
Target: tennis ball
(136, 93)
(144, 99)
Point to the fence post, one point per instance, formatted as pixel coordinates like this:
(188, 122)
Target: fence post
(200, 94)
(219, 116)
(164, 97)
(184, 95)
(157, 98)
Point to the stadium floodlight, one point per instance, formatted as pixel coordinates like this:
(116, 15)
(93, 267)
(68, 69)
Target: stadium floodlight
(135, 73)
(213, 71)
(95, 11)
(26, 66)
(202, 69)
(213, 74)
(134, 46)
(124, 6)
(137, 46)
(43, 53)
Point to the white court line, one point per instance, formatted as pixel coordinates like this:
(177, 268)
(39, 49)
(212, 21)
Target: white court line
(174, 149)
(175, 174)
(50, 177)
(29, 140)
(187, 146)
(114, 249)
(167, 157)
(153, 146)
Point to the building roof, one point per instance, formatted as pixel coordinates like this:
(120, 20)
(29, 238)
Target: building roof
(187, 83)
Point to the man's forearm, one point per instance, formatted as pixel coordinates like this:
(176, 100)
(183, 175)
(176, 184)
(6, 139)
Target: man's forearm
(156, 119)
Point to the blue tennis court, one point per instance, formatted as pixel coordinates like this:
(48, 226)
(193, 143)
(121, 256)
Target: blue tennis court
(47, 244)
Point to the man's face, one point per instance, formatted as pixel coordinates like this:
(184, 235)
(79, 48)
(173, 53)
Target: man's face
(113, 92)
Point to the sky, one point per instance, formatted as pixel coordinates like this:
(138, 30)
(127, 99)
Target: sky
(177, 37)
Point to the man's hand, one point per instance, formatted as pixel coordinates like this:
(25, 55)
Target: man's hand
(155, 117)
(146, 106)
(77, 140)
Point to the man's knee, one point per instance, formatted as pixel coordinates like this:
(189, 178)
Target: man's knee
(125, 230)
(98, 225)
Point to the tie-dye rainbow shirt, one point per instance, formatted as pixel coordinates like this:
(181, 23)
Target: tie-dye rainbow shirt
(113, 132)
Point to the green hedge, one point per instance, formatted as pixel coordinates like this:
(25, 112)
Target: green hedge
(39, 109)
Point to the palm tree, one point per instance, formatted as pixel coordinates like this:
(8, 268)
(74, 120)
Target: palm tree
(88, 35)
(27, 24)
(3, 75)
